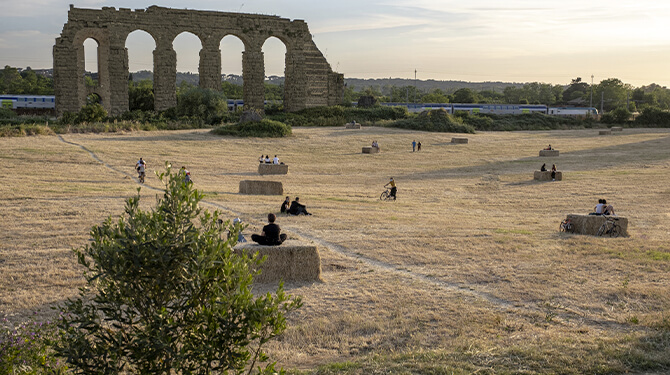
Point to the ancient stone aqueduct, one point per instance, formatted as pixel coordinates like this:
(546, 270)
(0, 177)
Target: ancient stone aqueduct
(309, 79)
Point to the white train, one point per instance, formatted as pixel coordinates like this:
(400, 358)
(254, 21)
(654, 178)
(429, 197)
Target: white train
(28, 101)
(498, 109)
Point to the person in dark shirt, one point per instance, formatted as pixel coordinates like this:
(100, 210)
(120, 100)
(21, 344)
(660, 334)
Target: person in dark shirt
(297, 208)
(271, 234)
(286, 205)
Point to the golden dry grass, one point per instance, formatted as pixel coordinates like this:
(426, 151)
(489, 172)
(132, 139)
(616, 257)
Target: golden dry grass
(467, 269)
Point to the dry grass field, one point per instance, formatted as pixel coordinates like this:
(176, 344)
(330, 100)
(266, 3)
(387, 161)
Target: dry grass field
(466, 272)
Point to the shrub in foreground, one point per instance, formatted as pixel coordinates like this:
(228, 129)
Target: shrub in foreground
(26, 349)
(165, 294)
(264, 128)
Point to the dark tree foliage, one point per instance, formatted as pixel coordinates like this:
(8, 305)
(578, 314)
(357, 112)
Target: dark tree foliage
(165, 294)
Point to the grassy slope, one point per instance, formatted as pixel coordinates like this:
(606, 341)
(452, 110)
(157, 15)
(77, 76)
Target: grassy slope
(465, 272)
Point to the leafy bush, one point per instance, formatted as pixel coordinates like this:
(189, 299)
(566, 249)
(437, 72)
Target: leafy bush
(653, 117)
(166, 295)
(530, 121)
(263, 128)
(339, 115)
(207, 105)
(619, 115)
(434, 121)
(27, 349)
(92, 113)
(6, 113)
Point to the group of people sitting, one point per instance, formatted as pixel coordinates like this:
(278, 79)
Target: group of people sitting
(293, 208)
(267, 160)
(375, 144)
(543, 168)
(602, 208)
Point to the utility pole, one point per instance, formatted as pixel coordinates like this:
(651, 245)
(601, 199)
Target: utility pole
(414, 85)
(591, 100)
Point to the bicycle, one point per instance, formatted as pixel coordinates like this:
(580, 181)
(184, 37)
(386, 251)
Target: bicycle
(386, 196)
(566, 226)
(610, 226)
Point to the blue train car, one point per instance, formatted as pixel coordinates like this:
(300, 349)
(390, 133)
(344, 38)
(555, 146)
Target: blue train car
(28, 101)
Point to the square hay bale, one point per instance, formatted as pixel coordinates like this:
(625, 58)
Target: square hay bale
(291, 261)
(546, 175)
(255, 187)
(548, 152)
(351, 125)
(370, 150)
(616, 128)
(589, 224)
(460, 140)
(264, 169)
(605, 132)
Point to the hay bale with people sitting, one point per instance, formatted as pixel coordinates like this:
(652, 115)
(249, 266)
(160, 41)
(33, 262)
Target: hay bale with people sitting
(459, 140)
(264, 169)
(292, 261)
(546, 176)
(370, 150)
(590, 224)
(256, 187)
(548, 152)
(352, 125)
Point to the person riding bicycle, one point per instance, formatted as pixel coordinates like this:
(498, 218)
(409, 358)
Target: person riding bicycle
(394, 189)
(141, 166)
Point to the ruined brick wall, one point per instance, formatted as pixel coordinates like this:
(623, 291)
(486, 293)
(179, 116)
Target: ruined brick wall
(309, 79)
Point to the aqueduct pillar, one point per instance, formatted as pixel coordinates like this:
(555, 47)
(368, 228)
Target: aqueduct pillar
(309, 79)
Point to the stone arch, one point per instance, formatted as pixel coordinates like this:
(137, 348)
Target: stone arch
(309, 79)
(268, 57)
(184, 41)
(231, 60)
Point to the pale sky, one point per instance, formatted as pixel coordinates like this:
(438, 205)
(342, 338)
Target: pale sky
(478, 40)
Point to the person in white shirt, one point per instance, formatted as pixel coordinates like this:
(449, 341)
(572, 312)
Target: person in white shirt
(275, 160)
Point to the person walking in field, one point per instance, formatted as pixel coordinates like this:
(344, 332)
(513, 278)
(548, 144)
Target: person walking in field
(418, 146)
(413, 145)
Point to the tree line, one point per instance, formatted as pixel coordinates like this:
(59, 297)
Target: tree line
(607, 95)
(611, 93)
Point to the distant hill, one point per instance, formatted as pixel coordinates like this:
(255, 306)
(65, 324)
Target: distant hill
(359, 84)
(384, 85)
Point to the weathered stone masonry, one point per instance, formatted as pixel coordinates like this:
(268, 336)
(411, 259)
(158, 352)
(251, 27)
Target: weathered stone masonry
(309, 79)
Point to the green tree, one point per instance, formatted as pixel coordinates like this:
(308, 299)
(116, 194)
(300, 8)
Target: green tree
(141, 95)
(165, 294)
(274, 93)
(435, 96)
(209, 105)
(231, 90)
(577, 89)
(612, 92)
(464, 95)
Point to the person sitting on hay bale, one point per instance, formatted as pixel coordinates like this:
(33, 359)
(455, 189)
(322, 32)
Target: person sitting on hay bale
(275, 160)
(297, 208)
(602, 208)
(286, 205)
(553, 172)
(267, 159)
(543, 168)
(271, 234)
(549, 148)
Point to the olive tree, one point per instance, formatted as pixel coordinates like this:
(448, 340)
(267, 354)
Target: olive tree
(165, 294)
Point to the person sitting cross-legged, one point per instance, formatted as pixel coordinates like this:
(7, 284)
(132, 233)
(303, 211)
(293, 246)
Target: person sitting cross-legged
(271, 234)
